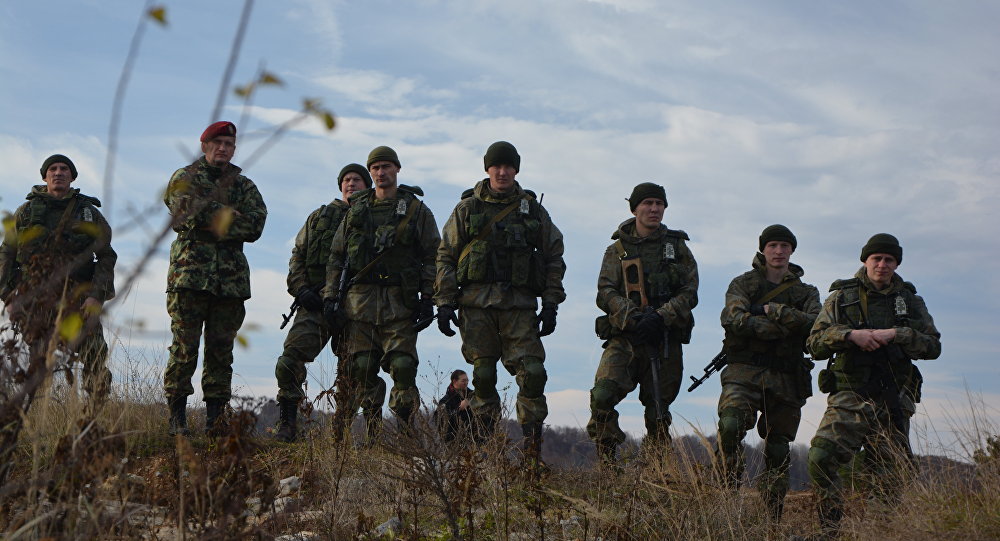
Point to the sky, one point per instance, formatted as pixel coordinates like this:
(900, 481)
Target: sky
(837, 119)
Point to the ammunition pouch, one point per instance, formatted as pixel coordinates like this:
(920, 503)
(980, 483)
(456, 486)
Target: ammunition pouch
(603, 327)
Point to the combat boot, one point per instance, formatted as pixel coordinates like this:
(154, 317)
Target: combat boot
(214, 418)
(830, 516)
(531, 446)
(288, 411)
(177, 425)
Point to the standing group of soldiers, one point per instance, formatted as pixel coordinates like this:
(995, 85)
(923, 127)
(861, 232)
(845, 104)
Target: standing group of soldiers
(369, 269)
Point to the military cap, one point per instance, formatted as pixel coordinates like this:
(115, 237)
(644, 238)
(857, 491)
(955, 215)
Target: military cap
(383, 154)
(645, 191)
(222, 127)
(776, 232)
(882, 243)
(502, 153)
(354, 168)
(58, 158)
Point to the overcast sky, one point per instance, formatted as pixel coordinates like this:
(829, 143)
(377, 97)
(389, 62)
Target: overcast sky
(837, 119)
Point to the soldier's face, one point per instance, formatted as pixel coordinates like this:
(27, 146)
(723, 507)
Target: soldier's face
(58, 177)
(351, 183)
(880, 268)
(219, 150)
(777, 253)
(383, 174)
(501, 177)
(649, 212)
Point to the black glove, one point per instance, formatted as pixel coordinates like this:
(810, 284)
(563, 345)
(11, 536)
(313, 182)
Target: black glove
(757, 310)
(547, 319)
(334, 317)
(446, 316)
(309, 299)
(650, 327)
(424, 315)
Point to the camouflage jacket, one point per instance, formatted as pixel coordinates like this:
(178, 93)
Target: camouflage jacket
(85, 233)
(307, 266)
(675, 277)
(388, 292)
(898, 306)
(519, 261)
(780, 333)
(208, 252)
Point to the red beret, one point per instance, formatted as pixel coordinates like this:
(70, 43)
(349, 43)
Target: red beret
(222, 127)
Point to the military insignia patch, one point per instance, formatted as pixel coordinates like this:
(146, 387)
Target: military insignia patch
(88, 215)
(401, 208)
(668, 252)
(524, 206)
(900, 306)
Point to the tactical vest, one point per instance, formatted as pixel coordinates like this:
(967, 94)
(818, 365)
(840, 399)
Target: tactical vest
(371, 231)
(784, 354)
(510, 252)
(321, 232)
(662, 274)
(78, 234)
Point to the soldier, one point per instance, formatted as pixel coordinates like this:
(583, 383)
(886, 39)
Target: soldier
(386, 244)
(59, 254)
(769, 312)
(306, 278)
(499, 253)
(635, 333)
(214, 211)
(873, 326)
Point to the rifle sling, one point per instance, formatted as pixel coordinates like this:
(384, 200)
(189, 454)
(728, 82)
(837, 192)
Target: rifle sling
(775, 292)
(485, 232)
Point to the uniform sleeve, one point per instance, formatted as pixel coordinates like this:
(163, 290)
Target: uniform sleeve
(189, 211)
(621, 311)
(430, 241)
(451, 246)
(794, 320)
(828, 336)
(335, 264)
(103, 285)
(297, 278)
(921, 340)
(555, 266)
(249, 224)
(677, 311)
(736, 318)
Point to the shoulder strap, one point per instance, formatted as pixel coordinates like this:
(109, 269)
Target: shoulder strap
(489, 227)
(620, 248)
(775, 292)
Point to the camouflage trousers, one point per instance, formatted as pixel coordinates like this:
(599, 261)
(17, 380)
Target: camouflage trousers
(391, 346)
(490, 335)
(747, 390)
(849, 423)
(625, 365)
(220, 317)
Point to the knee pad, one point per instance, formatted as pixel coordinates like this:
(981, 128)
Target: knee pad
(733, 426)
(484, 375)
(403, 369)
(365, 366)
(534, 377)
(776, 452)
(284, 368)
(604, 395)
(823, 463)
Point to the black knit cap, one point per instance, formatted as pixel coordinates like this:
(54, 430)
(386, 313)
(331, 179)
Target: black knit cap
(502, 153)
(383, 154)
(882, 243)
(58, 158)
(776, 232)
(644, 191)
(354, 168)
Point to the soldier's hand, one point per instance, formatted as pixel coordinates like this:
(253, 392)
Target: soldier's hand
(650, 328)
(424, 315)
(334, 316)
(547, 319)
(864, 339)
(446, 316)
(309, 299)
(757, 310)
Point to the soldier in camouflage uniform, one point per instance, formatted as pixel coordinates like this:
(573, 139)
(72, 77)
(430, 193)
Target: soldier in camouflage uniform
(769, 312)
(306, 277)
(872, 326)
(57, 225)
(387, 243)
(499, 253)
(635, 335)
(214, 211)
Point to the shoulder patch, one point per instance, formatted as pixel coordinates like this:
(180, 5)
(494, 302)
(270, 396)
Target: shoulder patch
(415, 190)
(911, 287)
(844, 284)
(679, 233)
(468, 193)
(88, 199)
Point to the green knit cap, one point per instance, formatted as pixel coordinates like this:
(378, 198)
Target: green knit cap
(645, 191)
(882, 243)
(502, 153)
(58, 158)
(354, 168)
(776, 232)
(383, 154)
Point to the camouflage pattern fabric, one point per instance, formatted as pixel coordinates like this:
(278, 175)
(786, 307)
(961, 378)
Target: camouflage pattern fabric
(306, 338)
(391, 346)
(220, 317)
(490, 335)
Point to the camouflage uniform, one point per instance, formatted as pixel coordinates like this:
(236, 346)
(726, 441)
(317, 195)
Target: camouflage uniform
(496, 287)
(209, 278)
(860, 383)
(671, 283)
(766, 372)
(380, 305)
(31, 256)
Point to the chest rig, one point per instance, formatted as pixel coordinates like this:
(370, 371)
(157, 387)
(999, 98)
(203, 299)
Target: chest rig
(384, 233)
(321, 232)
(504, 245)
(65, 228)
(658, 264)
(781, 354)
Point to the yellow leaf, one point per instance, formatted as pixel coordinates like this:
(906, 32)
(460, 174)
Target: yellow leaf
(70, 327)
(221, 220)
(30, 234)
(158, 14)
(268, 78)
(309, 104)
(242, 341)
(243, 91)
(89, 228)
(328, 120)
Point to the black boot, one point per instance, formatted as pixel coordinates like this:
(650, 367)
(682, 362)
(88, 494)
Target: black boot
(531, 445)
(177, 425)
(288, 411)
(404, 419)
(214, 421)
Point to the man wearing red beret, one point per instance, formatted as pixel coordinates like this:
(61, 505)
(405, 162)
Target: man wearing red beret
(215, 209)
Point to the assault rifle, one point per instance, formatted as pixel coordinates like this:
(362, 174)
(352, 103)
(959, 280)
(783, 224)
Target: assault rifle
(342, 286)
(635, 290)
(291, 313)
(716, 364)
